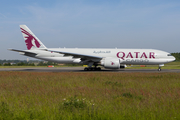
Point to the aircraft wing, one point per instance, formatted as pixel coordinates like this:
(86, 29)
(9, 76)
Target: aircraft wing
(76, 55)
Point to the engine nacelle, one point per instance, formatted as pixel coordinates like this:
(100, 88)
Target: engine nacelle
(111, 63)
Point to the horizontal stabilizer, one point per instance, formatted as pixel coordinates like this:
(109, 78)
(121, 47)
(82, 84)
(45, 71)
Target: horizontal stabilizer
(24, 52)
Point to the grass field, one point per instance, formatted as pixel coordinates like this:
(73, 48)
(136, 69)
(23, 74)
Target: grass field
(93, 96)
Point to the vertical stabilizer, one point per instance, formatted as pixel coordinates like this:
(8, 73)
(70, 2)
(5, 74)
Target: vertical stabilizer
(32, 42)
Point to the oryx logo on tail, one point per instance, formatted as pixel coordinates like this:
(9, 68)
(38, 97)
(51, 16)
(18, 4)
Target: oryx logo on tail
(30, 40)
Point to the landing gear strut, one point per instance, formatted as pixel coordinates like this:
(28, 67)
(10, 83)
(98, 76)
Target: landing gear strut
(159, 69)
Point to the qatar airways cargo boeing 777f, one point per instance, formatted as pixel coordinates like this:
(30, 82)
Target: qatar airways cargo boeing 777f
(108, 58)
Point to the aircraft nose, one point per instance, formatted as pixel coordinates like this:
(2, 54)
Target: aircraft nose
(173, 59)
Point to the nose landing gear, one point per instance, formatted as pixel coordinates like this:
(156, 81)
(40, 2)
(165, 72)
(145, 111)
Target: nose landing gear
(159, 69)
(160, 65)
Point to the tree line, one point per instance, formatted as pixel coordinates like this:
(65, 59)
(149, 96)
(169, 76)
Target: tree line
(25, 63)
(176, 55)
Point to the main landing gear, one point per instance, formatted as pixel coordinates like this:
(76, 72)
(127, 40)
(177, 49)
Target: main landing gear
(92, 69)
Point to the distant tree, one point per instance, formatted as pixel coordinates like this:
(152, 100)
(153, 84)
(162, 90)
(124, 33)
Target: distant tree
(21, 64)
(7, 64)
(176, 55)
(51, 63)
(42, 64)
(31, 64)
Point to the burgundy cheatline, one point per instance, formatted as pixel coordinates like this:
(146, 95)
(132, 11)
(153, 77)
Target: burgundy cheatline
(108, 58)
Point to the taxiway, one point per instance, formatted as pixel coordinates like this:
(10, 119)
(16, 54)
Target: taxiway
(81, 69)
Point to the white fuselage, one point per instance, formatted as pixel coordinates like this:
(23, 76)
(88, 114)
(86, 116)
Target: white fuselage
(126, 56)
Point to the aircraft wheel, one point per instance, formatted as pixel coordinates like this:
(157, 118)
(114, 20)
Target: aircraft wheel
(159, 69)
(92, 69)
(99, 69)
(86, 69)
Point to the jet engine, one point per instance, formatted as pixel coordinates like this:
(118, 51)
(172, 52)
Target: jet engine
(111, 63)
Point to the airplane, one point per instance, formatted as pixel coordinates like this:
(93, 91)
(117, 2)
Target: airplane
(108, 58)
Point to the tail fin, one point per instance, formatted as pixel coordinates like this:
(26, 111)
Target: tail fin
(32, 42)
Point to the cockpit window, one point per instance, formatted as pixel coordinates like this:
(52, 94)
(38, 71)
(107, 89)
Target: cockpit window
(169, 55)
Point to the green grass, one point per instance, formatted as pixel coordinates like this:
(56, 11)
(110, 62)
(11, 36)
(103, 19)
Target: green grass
(93, 96)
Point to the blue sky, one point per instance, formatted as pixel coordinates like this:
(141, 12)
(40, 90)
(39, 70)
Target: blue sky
(91, 23)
